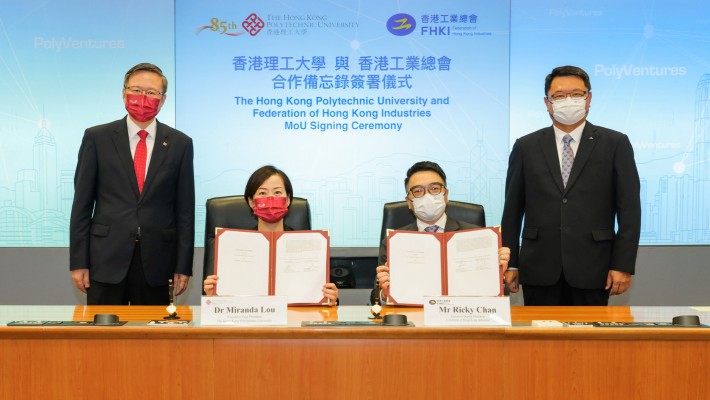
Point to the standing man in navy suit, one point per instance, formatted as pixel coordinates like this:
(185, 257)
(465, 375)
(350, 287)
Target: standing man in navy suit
(133, 217)
(571, 183)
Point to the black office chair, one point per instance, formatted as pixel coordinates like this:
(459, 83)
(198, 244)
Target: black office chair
(397, 215)
(234, 212)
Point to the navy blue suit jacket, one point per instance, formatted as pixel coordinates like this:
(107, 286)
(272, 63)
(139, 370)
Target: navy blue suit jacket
(108, 209)
(572, 229)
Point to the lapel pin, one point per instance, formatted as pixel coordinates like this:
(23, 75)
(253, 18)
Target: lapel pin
(165, 144)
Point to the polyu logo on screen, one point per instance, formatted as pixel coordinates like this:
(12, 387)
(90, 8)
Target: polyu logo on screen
(401, 24)
(253, 24)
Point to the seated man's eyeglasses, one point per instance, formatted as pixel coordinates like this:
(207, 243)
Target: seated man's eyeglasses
(432, 188)
(138, 91)
(575, 94)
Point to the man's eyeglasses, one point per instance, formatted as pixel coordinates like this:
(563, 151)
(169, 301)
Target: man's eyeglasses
(432, 188)
(148, 92)
(575, 94)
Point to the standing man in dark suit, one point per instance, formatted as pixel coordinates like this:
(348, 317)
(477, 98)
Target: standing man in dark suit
(133, 217)
(571, 183)
(427, 197)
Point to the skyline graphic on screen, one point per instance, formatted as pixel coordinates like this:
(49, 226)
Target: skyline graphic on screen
(345, 97)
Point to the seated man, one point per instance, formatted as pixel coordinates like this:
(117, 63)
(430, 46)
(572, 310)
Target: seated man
(427, 197)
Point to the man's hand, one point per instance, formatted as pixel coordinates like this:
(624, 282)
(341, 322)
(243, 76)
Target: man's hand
(180, 283)
(504, 257)
(81, 279)
(383, 277)
(618, 282)
(511, 279)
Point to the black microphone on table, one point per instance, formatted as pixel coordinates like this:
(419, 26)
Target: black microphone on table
(389, 319)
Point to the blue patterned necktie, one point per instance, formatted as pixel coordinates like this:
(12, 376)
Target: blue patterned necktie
(431, 228)
(567, 159)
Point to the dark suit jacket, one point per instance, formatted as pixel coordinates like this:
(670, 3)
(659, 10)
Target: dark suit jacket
(572, 229)
(108, 210)
(451, 225)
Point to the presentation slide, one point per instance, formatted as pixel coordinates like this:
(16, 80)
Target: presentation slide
(345, 96)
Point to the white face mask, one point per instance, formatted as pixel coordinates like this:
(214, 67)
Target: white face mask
(569, 111)
(429, 207)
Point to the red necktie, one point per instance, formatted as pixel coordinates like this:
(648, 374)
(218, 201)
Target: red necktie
(139, 159)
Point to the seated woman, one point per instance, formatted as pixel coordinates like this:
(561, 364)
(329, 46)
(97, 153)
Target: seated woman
(269, 193)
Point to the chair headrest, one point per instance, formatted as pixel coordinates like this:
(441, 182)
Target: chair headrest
(397, 214)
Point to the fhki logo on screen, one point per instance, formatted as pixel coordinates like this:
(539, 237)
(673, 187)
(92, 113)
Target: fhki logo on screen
(276, 25)
(435, 25)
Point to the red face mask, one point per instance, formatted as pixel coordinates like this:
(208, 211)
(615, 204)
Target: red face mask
(141, 107)
(270, 209)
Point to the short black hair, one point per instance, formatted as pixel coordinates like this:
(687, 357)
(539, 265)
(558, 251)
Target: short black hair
(260, 176)
(148, 67)
(567, 70)
(424, 166)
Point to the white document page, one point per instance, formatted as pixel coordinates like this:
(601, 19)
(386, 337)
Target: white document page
(301, 261)
(414, 261)
(473, 268)
(242, 263)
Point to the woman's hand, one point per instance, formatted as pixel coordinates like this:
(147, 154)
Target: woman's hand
(210, 285)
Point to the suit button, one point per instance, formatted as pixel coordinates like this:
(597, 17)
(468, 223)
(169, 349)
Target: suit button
(564, 201)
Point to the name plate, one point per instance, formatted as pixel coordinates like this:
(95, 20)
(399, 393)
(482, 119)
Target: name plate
(466, 311)
(243, 311)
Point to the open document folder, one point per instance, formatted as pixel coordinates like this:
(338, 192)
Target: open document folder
(459, 263)
(295, 264)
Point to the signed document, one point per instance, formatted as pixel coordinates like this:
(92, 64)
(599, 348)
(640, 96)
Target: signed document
(459, 263)
(294, 264)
